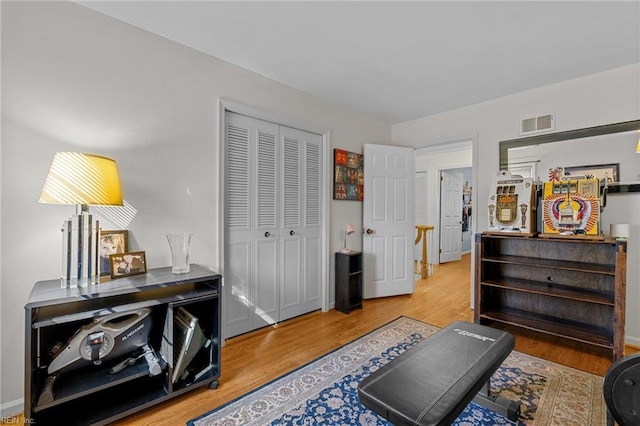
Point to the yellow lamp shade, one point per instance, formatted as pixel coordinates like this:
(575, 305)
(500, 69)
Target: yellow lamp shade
(86, 179)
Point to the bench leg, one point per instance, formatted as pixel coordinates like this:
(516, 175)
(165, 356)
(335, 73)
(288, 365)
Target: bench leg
(509, 409)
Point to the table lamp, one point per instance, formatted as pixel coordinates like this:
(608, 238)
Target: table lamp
(81, 180)
(348, 230)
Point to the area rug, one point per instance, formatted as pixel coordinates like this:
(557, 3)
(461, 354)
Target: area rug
(325, 390)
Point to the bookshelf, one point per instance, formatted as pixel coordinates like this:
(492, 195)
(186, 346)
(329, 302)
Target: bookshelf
(567, 287)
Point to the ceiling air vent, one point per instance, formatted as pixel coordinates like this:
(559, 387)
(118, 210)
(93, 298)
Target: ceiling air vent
(538, 124)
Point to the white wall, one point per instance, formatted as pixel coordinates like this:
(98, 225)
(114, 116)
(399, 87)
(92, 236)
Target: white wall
(602, 98)
(73, 79)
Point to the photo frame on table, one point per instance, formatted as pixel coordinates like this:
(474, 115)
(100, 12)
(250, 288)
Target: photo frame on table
(348, 175)
(112, 242)
(612, 171)
(127, 264)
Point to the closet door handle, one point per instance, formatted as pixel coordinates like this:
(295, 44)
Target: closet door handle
(292, 232)
(267, 234)
(369, 231)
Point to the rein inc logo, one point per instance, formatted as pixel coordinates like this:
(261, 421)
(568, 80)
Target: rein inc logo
(474, 335)
(16, 421)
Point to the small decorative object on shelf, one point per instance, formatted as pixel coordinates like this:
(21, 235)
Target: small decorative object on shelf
(512, 205)
(572, 207)
(180, 245)
(126, 264)
(111, 242)
(620, 231)
(348, 230)
(556, 174)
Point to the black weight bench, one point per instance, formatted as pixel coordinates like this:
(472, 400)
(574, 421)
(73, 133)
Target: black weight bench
(432, 382)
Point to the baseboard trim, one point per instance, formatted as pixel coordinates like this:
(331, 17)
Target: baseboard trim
(633, 343)
(10, 409)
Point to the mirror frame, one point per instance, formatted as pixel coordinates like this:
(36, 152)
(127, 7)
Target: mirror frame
(606, 129)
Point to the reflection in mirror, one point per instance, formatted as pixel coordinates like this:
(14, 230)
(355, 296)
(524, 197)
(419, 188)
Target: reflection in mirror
(608, 145)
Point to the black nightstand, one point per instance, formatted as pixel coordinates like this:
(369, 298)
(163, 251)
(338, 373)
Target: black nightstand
(348, 281)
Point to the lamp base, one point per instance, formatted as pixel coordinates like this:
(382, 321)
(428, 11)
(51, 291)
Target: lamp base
(80, 251)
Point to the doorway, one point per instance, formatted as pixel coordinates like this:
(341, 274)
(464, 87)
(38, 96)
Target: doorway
(457, 154)
(465, 209)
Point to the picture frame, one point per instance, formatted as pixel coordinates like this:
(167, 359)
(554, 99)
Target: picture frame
(348, 175)
(111, 242)
(597, 171)
(127, 264)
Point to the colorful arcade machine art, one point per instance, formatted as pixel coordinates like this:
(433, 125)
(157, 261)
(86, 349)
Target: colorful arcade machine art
(571, 205)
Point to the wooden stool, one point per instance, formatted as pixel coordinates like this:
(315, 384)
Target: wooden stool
(422, 235)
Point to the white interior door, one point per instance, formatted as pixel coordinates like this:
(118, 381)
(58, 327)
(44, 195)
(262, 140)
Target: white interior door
(388, 220)
(251, 229)
(301, 222)
(450, 216)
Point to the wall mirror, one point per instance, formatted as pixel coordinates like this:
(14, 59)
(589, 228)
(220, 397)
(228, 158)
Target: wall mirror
(610, 147)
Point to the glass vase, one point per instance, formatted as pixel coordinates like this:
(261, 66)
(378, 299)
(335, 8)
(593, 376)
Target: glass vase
(180, 245)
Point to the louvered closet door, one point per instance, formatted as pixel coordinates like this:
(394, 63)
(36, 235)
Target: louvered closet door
(252, 232)
(273, 217)
(301, 190)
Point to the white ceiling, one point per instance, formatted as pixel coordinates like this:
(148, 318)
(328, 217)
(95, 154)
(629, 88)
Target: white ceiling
(395, 61)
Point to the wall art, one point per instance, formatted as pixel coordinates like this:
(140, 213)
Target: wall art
(348, 175)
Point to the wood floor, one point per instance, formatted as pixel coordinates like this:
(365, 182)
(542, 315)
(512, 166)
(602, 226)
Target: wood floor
(253, 359)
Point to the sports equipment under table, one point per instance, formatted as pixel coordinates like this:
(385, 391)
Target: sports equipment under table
(432, 382)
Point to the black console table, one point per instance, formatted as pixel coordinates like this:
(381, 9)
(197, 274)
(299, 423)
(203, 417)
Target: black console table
(93, 394)
(348, 281)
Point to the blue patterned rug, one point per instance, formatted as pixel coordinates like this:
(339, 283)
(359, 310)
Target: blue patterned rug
(324, 392)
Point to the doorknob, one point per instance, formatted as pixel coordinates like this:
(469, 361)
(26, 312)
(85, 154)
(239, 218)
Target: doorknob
(267, 234)
(292, 232)
(369, 231)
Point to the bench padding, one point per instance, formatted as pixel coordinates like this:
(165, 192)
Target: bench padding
(432, 382)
